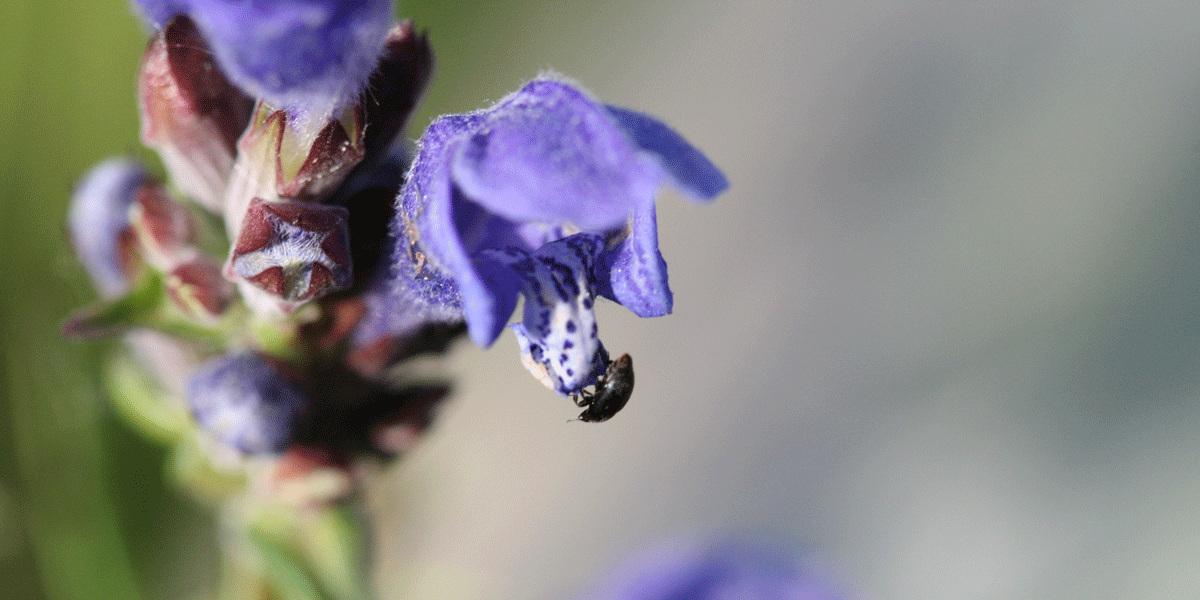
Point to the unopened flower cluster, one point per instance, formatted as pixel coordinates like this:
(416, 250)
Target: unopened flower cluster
(299, 248)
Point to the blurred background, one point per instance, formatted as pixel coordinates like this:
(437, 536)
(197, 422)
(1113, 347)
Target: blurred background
(943, 332)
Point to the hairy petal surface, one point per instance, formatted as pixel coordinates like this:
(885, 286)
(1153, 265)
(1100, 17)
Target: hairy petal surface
(301, 55)
(691, 172)
(419, 285)
(634, 273)
(551, 153)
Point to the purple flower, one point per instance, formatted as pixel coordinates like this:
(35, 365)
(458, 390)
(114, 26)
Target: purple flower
(713, 570)
(98, 222)
(549, 195)
(300, 55)
(244, 401)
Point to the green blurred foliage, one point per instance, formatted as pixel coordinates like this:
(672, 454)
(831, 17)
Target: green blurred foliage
(90, 513)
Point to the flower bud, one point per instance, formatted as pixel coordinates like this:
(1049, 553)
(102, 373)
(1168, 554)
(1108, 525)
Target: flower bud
(293, 251)
(163, 228)
(98, 222)
(395, 87)
(244, 401)
(281, 158)
(197, 287)
(311, 476)
(190, 112)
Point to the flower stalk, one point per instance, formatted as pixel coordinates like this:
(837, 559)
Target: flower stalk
(272, 362)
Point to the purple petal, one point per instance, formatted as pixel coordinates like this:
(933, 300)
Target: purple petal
(301, 55)
(692, 173)
(159, 12)
(421, 285)
(549, 153)
(492, 302)
(425, 211)
(707, 570)
(634, 274)
(245, 402)
(99, 219)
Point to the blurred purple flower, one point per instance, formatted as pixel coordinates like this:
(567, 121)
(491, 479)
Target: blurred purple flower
(98, 222)
(244, 401)
(550, 195)
(300, 55)
(726, 569)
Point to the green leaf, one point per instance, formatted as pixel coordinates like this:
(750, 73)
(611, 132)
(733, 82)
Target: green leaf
(148, 305)
(138, 399)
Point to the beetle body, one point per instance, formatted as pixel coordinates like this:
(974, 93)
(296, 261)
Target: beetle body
(613, 390)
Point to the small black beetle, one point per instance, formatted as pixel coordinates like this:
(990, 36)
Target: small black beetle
(613, 390)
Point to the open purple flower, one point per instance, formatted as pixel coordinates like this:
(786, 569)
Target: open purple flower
(299, 55)
(548, 195)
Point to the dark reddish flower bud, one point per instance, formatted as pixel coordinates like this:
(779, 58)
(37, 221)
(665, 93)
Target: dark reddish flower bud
(309, 475)
(293, 251)
(282, 158)
(395, 87)
(198, 288)
(190, 112)
(357, 416)
(400, 429)
(163, 227)
(336, 150)
(288, 158)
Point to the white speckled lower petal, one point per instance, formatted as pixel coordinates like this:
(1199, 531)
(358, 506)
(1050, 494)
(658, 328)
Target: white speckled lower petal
(558, 335)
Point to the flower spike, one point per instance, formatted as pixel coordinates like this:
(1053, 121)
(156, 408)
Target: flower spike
(281, 117)
(284, 119)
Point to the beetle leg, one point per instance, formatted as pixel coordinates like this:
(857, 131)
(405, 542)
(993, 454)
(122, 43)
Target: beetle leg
(583, 398)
